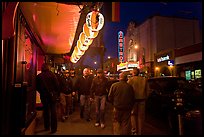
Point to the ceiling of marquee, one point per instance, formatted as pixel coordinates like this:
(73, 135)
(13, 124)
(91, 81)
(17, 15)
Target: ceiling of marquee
(53, 24)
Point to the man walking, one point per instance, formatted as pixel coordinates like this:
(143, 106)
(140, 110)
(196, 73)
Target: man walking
(47, 85)
(138, 113)
(121, 95)
(83, 85)
(99, 93)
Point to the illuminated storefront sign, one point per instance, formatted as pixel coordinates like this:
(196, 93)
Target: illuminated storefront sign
(127, 66)
(170, 62)
(121, 46)
(122, 66)
(133, 65)
(163, 58)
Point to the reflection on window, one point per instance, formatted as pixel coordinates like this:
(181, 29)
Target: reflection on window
(198, 73)
(188, 75)
(192, 75)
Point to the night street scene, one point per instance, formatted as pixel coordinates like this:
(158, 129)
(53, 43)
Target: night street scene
(101, 68)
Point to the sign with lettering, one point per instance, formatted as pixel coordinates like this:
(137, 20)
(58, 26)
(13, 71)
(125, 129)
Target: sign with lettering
(163, 58)
(121, 46)
(170, 62)
(94, 21)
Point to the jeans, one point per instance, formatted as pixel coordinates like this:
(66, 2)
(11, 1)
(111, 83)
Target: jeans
(85, 105)
(100, 102)
(138, 117)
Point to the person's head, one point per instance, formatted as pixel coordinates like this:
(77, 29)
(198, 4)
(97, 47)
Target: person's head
(45, 67)
(72, 73)
(123, 76)
(86, 71)
(66, 73)
(135, 72)
(100, 72)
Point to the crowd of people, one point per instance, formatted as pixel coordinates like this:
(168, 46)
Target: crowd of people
(61, 92)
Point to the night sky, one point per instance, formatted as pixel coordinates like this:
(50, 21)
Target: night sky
(140, 12)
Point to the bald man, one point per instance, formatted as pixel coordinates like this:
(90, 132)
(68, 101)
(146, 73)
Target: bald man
(121, 95)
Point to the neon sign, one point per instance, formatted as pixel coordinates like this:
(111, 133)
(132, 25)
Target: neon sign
(121, 46)
(163, 58)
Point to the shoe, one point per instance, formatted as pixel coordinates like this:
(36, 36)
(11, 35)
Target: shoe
(96, 124)
(102, 125)
(134, 131)
(88, 120)
(63, 118)
(66, 117)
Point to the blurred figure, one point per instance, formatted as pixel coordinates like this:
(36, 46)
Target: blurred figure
(83, 85)
(73, 78)
(67, 94)
(62, 88)
(99, 93)
(121, 95)
(47, 85)
(138, 113)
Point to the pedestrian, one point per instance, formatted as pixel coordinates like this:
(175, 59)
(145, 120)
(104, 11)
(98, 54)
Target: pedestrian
(121, 95)
(99, 93)
(74, 92)
(138, 113)
(62, 102)
(67, 94)
(83, 85)
(47, 85)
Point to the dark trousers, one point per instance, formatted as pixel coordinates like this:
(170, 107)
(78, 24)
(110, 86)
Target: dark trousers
(49, 114)
(100, 103)
(121, 122)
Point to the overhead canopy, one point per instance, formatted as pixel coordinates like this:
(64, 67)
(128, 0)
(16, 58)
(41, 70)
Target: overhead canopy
(53, 24)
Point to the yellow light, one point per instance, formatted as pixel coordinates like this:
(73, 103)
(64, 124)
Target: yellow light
(157, 68)
(81, 46)
(84, 39)
(94, 20)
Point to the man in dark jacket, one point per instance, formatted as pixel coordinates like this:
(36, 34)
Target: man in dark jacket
(99, 89)
(83, 85)
(121, 95)
(47, 85)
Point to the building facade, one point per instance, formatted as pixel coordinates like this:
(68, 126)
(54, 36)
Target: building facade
(157, 35)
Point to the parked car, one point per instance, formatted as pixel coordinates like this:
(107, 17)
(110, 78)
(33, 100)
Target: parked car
(175, 102)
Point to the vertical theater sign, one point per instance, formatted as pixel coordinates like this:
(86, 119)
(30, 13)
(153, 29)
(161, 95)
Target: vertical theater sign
(121, 46)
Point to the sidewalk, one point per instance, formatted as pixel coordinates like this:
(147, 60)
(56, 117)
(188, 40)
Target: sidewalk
(76, 126)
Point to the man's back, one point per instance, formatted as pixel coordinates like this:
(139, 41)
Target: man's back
(122, 95)
(139, 85)
(47, 81)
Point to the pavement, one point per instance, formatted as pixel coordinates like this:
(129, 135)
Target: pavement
(76, 126)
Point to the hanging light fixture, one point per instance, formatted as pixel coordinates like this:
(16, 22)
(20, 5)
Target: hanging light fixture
(94, 23)
(84, 39)
(94, 20)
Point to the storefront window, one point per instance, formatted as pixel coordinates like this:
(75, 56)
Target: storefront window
(198, 73)
(188, 75)
(192, 75)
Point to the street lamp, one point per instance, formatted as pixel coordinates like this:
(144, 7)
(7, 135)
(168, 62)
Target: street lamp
(109, 57)
(157, 70)
(143, 53)
(171, 69)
